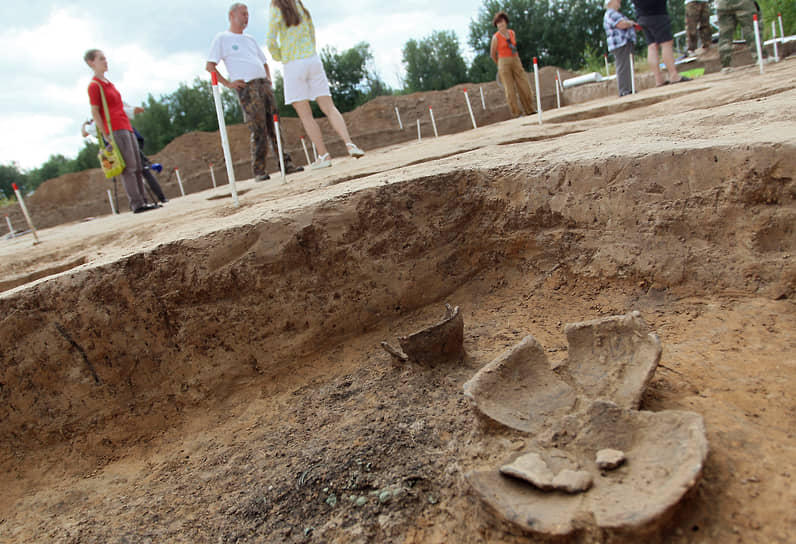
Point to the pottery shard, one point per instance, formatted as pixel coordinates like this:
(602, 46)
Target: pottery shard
(531, 468)
(439, 343)
(572, 481)
(612, 358)
(609, 459)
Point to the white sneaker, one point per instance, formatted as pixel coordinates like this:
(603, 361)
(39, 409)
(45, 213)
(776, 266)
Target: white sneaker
(354, 151)
(324, 161)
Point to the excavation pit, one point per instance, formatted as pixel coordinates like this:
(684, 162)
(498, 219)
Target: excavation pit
(241, 393)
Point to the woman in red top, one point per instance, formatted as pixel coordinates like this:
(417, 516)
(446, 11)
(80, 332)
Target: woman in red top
(132, 178)
(504, 53)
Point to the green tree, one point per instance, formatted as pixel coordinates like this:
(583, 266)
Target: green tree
(10, 174)
(154, 124)
(346, 72)
(434, 63)
(56, 165)
(557, 32)
(482, 69)
(351, 80)
(771, 8)
(86, 157)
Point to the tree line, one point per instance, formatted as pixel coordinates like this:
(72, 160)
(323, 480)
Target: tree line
(564, 33)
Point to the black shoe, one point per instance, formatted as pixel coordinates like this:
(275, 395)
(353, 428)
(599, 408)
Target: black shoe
(292, 168)
(164, 200)
(146, 208)
(261, 177)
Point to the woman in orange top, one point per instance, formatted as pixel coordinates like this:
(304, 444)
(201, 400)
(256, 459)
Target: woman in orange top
(504, 53)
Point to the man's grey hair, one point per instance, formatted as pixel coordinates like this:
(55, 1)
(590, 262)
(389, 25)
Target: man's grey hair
(235, 6)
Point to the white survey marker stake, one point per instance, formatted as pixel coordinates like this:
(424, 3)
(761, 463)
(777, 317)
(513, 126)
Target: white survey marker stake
(536, 80)
(179, 181)
(212, 174)
(110, 199)
(757, 44)
(222, 129)
(469, 108)
(25, 212)
(279, 147)
(433, 123)
(558, 95)
(304, 146)
(398, 115)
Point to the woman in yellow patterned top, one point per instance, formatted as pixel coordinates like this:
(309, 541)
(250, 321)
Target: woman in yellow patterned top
(291, 41)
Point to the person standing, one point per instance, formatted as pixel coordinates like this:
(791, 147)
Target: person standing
(291, 41)
(118, 123)
(89, 128)
(503, 50)
(697, 25)
(250, 77)
(731, 14)
(621, 38)
(657, 27)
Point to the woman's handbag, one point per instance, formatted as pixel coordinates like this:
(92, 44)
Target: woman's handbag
(109, 156)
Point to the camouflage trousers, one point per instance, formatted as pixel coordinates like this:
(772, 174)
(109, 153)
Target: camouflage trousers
(697, 24)
(732, 13)
(259, 105)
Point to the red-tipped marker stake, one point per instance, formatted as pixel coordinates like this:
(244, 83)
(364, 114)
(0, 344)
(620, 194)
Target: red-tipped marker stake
(212, 174)
(279, 147)
(536, 80)
(774, 40)
(179, 181)
(222, 130)
(469, 108)
(25, 212)
(757, 44)
(433, 123)
(304, 145)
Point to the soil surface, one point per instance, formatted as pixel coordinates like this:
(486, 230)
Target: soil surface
(212, 373)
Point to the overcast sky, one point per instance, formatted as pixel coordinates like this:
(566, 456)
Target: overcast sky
(152, 46)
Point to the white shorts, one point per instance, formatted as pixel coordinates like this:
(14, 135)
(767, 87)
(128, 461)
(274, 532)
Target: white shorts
(305, 80)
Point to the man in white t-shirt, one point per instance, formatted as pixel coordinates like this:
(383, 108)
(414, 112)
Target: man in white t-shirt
(250, 77)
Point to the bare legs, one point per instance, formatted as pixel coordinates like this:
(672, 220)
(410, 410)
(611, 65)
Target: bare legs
(328, 108)
(667, 51)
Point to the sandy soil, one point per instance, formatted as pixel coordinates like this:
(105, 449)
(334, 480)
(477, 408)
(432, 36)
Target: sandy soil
(207, 373)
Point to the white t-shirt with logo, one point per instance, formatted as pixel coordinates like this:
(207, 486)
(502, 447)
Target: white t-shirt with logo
(242, 56)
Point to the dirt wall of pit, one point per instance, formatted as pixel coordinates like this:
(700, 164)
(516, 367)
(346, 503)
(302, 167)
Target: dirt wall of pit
(106, 355)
